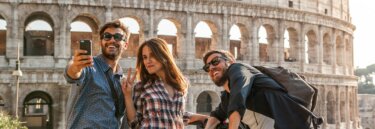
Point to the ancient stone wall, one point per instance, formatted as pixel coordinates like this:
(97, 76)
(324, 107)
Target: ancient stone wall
(321, 47)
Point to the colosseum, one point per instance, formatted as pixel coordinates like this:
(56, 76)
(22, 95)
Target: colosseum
(311, 37)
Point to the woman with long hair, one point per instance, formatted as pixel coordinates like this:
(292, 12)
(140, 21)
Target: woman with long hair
(158, 99)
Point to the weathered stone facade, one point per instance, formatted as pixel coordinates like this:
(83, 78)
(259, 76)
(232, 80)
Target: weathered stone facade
(367, 110)
(320, 38)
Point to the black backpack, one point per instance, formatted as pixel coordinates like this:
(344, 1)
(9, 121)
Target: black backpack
(297, 88)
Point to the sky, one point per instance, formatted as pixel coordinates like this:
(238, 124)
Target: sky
(364, 20)
(361, 13)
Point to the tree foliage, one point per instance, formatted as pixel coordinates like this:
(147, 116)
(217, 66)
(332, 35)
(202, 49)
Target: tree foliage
(366, 82)
(7, 122)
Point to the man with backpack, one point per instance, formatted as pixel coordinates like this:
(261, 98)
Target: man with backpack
(251, 97)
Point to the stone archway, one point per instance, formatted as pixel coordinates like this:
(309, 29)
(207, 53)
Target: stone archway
(88, 29)
(291, 46)
(311, 48)
(38, 111)
(206, 102)
(39, 35)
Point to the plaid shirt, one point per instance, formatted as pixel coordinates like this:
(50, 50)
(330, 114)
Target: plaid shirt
(155, 109)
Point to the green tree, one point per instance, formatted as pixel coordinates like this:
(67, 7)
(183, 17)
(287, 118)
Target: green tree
(366, 82)
(7, 122)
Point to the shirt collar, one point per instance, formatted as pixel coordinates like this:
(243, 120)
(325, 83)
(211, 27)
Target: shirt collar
(106, 67)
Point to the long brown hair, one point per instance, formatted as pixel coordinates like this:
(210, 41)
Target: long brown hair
(159, 49)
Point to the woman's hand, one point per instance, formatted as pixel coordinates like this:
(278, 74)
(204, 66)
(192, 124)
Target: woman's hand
(127, 83)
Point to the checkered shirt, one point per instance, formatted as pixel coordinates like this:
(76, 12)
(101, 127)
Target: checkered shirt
(156, 110)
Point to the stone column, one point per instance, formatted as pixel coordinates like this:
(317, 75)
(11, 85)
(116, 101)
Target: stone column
(11, 53)
(215, 43)
(180, 42)
(280, 52)
(302, 58)
(255, 43)
(324, 106)
(63, 45)
(151, 32)
(344, 55)
(347, 107)
(338, 109)
(351, 61)
(334, 57)
(13, 36)
(189, 41)
(63, 101)
(190, 103)
(320, 51)
(357, 118)
(108, 12)
(225, 43)
(245, 47)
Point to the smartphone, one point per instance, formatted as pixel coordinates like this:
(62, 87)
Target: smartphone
(86, 45)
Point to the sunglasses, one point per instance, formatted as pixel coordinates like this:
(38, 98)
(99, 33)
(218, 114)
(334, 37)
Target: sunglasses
(213, 62)
(117, 36)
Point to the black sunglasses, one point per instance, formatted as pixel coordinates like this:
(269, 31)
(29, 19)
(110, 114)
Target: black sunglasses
(116, 36)
(213, 62)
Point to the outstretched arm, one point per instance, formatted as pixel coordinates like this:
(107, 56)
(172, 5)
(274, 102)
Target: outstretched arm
(212, 122)
(234, 120)
(200, 118)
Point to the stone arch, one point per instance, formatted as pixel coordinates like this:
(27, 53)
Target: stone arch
(267, 51)
(5, 17)
(291, 54)
(135, 39)
(239, 47)
(331, 108)
(176, 40)
(37, 110)
(206, 101)
(327, 49)
(202, 45)
(39, 43)
(244, 41)
(340, 49)
(311, 47)
(93, 23)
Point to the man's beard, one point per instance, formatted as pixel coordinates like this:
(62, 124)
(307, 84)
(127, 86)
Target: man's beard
(112, 56)
(221, 81)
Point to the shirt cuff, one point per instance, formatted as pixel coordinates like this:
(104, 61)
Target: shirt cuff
(78, 81)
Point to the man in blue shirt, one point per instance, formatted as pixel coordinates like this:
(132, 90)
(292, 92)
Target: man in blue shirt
(96, 100)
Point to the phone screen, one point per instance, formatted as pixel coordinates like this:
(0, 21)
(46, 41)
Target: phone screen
(86, 45)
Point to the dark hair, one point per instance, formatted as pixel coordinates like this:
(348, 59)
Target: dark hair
(223, 53)
(115, 24)
(159, 49)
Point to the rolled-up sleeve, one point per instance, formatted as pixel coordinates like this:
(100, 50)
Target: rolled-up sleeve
(240, 83)
(220, 111)
(139, 103)
(79, 81)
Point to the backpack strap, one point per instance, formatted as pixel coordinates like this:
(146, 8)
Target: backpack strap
(114, 93)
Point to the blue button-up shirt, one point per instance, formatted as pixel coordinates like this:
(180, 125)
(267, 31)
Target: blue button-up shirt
(91, 104)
